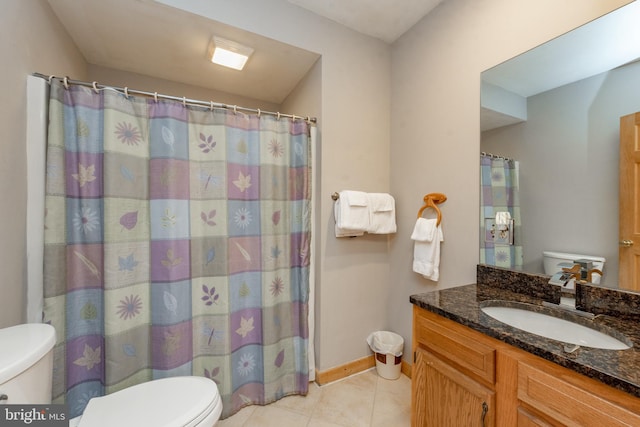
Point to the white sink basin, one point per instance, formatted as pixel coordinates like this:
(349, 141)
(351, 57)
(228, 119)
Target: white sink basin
(554, 328)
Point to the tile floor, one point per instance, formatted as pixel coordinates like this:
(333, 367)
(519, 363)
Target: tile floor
(362, 400)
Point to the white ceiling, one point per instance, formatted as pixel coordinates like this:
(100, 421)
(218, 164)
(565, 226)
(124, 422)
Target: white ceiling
(150, 38)
(383, 19)
(594, 48)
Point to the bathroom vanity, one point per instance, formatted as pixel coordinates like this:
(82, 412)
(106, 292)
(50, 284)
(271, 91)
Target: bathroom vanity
(470, 369)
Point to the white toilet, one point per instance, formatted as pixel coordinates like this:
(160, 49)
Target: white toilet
(555, 261)
(26, 367)
(26, 364)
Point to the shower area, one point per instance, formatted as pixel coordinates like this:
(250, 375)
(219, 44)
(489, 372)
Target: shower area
(177, 241)
(500, 222)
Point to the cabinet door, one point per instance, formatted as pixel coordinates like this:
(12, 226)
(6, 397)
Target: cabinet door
(444, 397)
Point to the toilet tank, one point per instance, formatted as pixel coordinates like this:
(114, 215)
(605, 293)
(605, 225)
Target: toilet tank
(555, 261)
(26, 363)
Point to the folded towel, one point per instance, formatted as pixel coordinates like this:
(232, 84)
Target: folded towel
(503, 218)
(424, 230)
(426, 251)
(352, 213)
(382, 213)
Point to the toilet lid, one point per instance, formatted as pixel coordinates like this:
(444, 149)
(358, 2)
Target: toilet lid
(169, 402)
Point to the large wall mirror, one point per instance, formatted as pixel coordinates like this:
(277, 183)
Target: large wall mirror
(556, 110)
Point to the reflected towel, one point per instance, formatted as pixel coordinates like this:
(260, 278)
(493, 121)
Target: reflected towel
(426, 251)
(382, 213)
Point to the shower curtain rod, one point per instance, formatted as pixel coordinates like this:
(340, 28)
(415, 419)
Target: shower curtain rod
(155, 95)
(494, 156)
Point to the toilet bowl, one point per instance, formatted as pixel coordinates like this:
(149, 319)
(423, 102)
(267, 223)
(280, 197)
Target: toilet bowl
(26, 364)
(26, 373)
(554, 262)
(168, 402)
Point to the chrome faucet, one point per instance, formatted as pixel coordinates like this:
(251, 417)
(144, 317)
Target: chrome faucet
(580, 272)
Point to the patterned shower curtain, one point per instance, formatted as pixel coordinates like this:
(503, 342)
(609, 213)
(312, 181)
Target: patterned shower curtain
(176, 243)
(499, 192)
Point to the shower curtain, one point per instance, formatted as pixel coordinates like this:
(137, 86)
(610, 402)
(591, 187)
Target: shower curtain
(499, 192)
(177, 242)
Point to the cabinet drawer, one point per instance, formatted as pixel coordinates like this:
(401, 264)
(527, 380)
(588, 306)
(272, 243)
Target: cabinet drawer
(568, 403)
(451, 341)
(527, 419)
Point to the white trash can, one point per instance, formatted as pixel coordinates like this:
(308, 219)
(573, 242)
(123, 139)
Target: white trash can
(387, 347)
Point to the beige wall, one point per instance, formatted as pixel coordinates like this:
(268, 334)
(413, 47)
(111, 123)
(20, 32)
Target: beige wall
(32, 41)
(436, 122)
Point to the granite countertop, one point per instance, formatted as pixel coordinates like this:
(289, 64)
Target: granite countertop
(617, 368)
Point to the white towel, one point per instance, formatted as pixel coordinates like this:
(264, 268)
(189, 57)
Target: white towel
(426, 251)
(382, 213)
(352, 213)
(503, 218)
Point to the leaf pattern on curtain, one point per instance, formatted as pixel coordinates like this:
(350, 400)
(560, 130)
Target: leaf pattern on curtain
(176, 243)
(499, 192)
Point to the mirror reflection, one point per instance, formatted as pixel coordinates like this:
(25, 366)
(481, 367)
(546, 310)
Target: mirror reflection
(556, 111)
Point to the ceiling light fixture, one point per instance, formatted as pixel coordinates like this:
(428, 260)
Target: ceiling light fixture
(229, 53)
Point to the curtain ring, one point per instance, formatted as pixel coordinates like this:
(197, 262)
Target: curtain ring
(155, 96)
(51, 78)
(258, 112)
(126, 92)
(235, 109)
(95, 87)
(278, 115)
(211, 103)
(308, 119)
(66, 82)
(184, 101)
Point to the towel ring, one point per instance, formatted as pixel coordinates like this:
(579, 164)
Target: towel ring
(431, 200)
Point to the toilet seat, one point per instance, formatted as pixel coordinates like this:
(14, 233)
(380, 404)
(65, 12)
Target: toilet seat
(168, 402)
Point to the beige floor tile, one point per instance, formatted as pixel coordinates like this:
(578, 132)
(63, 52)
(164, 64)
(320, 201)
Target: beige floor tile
(271, 416)
(391, 409)
(401, 385)
(362, 400)
(238, 419)
(348, 402)
(319, 423)
(367, 379)
(301, 404)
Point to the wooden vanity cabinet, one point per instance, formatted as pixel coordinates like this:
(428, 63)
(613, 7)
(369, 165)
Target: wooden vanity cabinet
(453, 376)
(462, 377)
(562, 397)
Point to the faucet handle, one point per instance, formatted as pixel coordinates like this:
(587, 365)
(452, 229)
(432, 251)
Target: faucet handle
(590, 272)
(573, 271)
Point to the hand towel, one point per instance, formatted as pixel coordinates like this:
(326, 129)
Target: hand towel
(382, 213)
(504, 229)
(503, 218)
(426, 251)
(351, 212)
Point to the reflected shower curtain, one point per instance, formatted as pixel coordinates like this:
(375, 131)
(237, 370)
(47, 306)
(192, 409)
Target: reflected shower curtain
(499, 192)
(176, 243)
